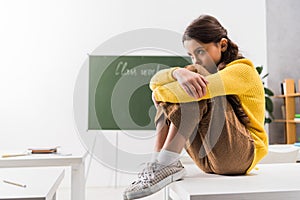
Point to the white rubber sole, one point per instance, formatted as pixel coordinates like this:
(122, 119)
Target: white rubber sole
(155, 188)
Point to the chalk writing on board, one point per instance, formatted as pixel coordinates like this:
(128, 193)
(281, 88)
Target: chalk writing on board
(150, 72)
(123, 69)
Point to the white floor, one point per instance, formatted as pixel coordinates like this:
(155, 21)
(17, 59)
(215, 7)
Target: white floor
(104, 194)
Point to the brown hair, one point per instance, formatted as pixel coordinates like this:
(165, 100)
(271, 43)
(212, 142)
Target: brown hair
(207, 29)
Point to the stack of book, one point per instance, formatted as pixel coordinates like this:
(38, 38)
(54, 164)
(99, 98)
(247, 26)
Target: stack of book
(297, 117)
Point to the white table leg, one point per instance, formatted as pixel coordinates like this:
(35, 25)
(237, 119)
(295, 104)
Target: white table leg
(54, 196)
(78, 182)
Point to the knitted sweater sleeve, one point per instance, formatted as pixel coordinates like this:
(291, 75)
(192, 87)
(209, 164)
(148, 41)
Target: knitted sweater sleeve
(235, 79)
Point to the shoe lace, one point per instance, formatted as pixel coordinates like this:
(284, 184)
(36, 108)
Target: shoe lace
(148, 173)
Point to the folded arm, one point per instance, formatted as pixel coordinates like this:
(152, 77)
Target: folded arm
(231, 80)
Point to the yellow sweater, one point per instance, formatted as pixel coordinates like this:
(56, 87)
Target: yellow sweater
(237, 78)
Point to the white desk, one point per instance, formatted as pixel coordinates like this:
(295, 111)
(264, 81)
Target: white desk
(37, 160)
(41, 183)
(270, 181)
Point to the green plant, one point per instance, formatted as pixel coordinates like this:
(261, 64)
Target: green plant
(268, 94)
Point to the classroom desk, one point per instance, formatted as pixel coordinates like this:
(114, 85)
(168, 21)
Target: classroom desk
(269, 181)
(41, 183)
(77, 163)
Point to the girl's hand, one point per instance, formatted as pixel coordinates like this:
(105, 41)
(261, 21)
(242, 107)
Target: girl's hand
(193, 83)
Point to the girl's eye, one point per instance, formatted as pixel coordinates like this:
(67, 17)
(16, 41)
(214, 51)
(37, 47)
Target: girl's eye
(200, 52)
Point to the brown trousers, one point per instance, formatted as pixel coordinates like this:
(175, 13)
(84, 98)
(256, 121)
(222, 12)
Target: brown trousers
(216, 140)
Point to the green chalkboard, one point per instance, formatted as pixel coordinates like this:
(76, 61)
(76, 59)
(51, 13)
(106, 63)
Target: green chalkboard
(119, 93)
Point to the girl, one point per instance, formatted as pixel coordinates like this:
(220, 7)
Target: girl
(214, 109)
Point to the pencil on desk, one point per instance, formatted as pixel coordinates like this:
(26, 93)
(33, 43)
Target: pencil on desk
(14, 155)
(13, 183)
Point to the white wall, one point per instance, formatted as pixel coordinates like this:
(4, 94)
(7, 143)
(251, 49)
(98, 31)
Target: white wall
(43, 45)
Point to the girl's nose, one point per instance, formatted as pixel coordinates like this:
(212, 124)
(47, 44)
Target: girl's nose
(197, 61)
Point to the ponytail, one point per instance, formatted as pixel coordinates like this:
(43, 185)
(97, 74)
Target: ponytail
(231, 53)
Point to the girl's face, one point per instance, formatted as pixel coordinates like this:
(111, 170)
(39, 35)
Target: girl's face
(208, 55)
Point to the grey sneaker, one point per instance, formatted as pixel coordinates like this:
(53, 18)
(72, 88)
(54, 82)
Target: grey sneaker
(153, 178)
